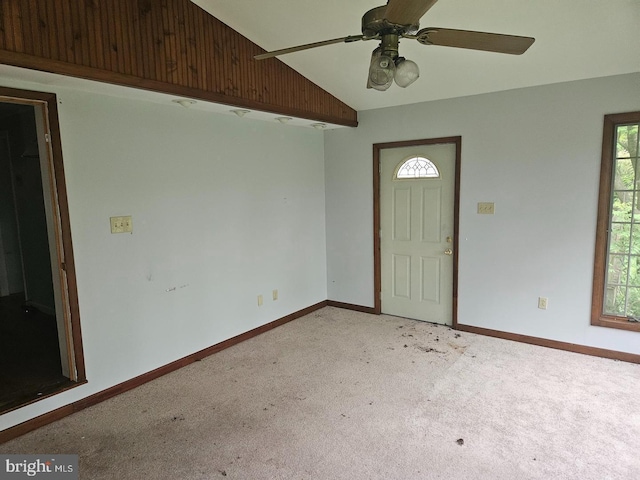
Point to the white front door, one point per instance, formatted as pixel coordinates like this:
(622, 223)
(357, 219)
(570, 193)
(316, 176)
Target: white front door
(417, 189)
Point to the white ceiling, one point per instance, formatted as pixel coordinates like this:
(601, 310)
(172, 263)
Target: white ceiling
(575, 39)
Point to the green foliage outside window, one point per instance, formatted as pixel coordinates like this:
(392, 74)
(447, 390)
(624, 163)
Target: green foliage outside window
(622, 296)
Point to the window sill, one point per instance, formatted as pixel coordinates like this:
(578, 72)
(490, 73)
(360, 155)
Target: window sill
(616, 322)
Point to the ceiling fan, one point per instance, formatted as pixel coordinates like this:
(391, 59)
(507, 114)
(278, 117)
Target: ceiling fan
(401, 19)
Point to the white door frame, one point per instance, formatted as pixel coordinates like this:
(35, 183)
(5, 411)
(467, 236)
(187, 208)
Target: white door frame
(377, 274)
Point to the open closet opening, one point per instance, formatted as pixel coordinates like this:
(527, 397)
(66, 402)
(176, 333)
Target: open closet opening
(40, 344)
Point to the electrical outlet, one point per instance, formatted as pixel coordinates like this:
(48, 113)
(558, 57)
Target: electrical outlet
(275, 294)
(260, 301)
(486, 208)
(542, 303)
(121, 224)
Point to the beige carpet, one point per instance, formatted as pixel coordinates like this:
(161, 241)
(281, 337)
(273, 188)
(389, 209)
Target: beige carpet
(346, 395)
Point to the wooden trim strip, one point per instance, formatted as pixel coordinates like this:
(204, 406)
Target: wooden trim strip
(351, 306)
(116, 78)
(49, 417)
(558, 345)
(616, 322)
(377, 230)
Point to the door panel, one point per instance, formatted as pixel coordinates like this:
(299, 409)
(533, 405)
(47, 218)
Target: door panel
(430, 279)
(402, 214)
(401, 276)
(431, 220)
(417, 222)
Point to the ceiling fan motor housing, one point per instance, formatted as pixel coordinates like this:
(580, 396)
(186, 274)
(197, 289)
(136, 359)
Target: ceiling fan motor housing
(374, 23)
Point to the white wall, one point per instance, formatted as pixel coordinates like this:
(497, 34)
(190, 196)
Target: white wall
(223, 209)
(535, 152)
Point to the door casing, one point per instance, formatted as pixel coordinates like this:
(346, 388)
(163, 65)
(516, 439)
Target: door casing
(60, 230)
(377, 276)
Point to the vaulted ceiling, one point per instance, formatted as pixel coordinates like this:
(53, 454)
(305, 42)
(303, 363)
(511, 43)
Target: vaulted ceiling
(204, 50)
(575, 39)
(170, 47)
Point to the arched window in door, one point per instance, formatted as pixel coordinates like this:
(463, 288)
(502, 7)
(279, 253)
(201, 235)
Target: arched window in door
(417, 167)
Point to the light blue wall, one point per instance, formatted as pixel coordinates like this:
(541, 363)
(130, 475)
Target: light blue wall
(223, 208)
(226, 208)
(535, 152)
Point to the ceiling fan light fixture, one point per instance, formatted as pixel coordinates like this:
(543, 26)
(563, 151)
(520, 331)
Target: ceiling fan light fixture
(184, 102)
(240, 113)
(381, 71)
(406, 73)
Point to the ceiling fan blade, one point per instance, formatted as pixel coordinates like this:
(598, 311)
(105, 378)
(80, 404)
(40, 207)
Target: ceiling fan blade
(490, 42)
(407, 12)
(275, 53)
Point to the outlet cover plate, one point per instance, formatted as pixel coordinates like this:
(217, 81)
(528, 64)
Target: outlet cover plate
(543, 302)
(121, 224)
(486, 208)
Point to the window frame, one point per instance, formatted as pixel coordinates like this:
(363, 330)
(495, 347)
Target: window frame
(598, 317)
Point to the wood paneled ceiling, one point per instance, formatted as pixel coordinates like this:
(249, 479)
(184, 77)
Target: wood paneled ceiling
(169, 46)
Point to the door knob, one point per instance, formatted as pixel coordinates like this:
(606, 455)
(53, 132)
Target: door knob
(448, 251)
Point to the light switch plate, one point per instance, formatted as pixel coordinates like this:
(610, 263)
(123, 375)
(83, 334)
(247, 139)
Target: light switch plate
(121, 224)
(486, 208)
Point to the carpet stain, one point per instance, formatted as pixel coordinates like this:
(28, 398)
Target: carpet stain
(460, 441)
(457, 347)
(428, 349)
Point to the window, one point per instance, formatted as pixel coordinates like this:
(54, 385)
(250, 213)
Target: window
(616, 282)
(417, 167)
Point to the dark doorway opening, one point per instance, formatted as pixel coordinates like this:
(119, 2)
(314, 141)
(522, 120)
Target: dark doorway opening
(29, 353)
(40, 345)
